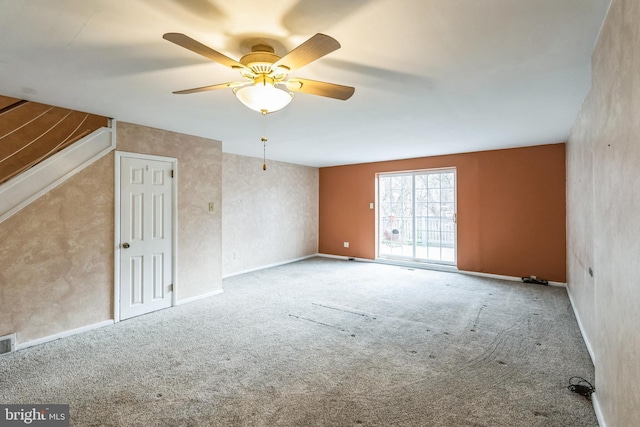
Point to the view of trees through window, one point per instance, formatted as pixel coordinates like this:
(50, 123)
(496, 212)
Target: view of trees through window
(417, 215)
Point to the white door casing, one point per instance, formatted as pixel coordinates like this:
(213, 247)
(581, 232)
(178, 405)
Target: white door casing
(416, 216)
(145, 241)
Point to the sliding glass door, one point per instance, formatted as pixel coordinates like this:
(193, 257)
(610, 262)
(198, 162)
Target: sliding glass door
(416, 216)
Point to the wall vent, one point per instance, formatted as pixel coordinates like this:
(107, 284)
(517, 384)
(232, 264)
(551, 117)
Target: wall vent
(7, 344)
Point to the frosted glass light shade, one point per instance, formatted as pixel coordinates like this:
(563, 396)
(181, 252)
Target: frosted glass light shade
(264, 97)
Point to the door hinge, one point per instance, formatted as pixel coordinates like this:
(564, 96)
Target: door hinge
(171, 173)
(171, 287)
(455, 218)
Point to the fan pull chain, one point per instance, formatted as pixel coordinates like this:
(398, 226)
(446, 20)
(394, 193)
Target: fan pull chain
(264, 140)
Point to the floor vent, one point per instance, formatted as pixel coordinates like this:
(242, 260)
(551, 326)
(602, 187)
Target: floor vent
(7, 343)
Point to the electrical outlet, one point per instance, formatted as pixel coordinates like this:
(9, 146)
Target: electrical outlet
(346, 244)
(212, 206)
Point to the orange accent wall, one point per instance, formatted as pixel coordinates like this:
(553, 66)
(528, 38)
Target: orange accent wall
(510, 204)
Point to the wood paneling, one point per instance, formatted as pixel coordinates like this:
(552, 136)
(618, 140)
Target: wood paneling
(6, 101)
(30, 132)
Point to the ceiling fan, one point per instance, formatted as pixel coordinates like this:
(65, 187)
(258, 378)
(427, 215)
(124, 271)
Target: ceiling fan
(265, 72)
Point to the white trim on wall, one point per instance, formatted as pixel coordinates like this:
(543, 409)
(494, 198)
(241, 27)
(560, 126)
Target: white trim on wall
(116, 233)
(63, 334)
(438, 267)
(413, 264)
(598, 409)
(511, 278)
(198, 297)
(585, 338)
(23, 189)
(275, 264)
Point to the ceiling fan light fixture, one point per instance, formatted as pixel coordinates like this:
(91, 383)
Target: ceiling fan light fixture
(263, 97)
(262, 70)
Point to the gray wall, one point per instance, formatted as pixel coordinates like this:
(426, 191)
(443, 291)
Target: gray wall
(603, 215)
(268, 217)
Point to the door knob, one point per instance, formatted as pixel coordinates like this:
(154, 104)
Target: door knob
(125, 245)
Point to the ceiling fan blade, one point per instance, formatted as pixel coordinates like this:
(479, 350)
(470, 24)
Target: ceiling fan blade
(313, 87)
(314, 48)
(212, 87)
(197, 47)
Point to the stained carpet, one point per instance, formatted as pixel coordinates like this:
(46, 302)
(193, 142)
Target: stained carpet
(324, 342)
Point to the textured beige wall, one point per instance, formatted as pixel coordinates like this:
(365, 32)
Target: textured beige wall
(580, 218)
(603, 155)
(199, 182)
(267, 216)
(56, 255)
(56, 258)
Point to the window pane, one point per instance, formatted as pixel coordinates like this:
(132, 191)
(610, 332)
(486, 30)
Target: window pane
(447, 195)
(416, 215)
(434, 209)
(448, 210)
(421, 181)
(448, 180)
(433, 180)
(434, 195)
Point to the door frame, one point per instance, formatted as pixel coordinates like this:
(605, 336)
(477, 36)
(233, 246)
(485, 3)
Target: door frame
(174, 226)
(413, 172)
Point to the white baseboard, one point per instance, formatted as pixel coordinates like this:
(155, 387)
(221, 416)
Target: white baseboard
(594, 397)
(511, 278)
(423, 265)
(345, 258)
(262, 267)
(582, 331)
(64, 334)
(438, 267)
(199, 297)
(350, 258)
(598, 410)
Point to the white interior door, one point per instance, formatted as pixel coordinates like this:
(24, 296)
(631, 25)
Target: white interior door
(145, 236)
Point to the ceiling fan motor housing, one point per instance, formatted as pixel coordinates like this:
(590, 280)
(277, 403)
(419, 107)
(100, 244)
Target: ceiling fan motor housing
(260, 60)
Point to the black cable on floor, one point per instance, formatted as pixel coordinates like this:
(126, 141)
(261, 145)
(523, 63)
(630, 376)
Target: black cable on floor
(581, 386)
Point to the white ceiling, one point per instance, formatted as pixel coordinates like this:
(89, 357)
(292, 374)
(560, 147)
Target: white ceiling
(431, 76)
